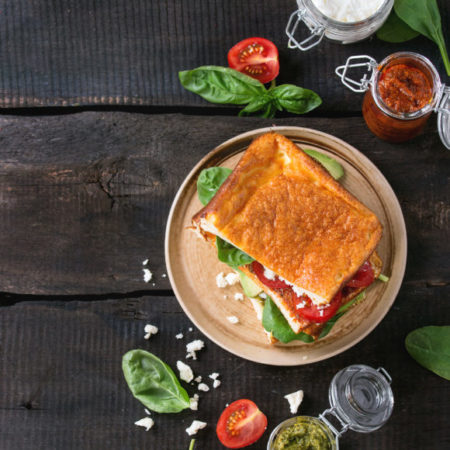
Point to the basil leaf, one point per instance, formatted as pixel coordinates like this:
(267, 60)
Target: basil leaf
(295, 99)
(231, 255)
(255, 105)
(221, 85)
(153, 382)
(424, 17)
(395, 30)
(209, 182)
(430, 347)
(274, 322)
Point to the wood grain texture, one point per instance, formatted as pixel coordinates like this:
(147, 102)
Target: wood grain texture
(62, 385)
(128, 52)
(85, 197)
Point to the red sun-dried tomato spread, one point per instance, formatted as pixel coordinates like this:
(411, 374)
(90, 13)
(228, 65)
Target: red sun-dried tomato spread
(404, 88)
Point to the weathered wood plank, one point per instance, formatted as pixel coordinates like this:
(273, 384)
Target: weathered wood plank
(85, 197)
(130, 51)
(62, 385)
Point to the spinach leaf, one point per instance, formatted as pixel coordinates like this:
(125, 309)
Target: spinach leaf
(209, 182)
(221, 85)
(231, 255)
(424, 17)
(430, 347)
(153, 382)
(274, 322)
(294, 99)
(395, 30)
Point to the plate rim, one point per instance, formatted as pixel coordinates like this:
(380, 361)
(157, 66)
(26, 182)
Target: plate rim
(252, 134)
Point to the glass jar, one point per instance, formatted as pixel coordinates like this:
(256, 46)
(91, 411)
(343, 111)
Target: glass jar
(382, 120)
(321, 25)
(361, 400)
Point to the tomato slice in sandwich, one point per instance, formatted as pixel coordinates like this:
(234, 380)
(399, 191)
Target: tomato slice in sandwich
(363, 278)
(276, 283)
(256, 57)
(241, 424)
(312, 312)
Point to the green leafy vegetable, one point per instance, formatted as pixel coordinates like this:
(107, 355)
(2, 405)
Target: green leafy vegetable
(430, 347)
(191, 447)
(330, 164)
(153, 382)
(395, 30)
(231, 255)
(209, 182)
(224, 85)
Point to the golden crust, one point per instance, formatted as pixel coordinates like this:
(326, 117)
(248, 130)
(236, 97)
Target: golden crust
(288, 213)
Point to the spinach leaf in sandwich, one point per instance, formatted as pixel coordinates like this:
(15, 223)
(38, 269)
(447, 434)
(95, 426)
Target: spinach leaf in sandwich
(231, 255)
(209, 182)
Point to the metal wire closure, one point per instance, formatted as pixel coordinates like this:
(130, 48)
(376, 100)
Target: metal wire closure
(338, 434)
(317, 32)
(385, 373)
(444, 96)
(362, 61)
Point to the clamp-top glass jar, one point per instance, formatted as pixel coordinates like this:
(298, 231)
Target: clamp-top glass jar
(338, 25)
(361, 400)
(401, 93)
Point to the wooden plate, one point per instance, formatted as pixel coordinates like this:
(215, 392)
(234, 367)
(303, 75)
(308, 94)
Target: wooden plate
(193, 265)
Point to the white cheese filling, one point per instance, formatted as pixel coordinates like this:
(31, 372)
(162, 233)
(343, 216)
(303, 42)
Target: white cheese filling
(348, 10)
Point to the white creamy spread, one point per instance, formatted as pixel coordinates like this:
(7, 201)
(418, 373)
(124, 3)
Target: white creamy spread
(348, 10)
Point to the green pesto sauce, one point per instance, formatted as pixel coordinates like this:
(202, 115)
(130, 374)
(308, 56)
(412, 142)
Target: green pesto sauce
(302, 435)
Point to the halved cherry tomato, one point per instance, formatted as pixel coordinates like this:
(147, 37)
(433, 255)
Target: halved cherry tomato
(241, 424)
(311, 312)
(274, 284)
(363, 278)
(256, 57)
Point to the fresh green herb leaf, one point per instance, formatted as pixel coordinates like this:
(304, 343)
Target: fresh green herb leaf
(330, 164)
(295, 99)
(153, 382)
(430, 347)
(191, 447)
(224, 85)
(209, 182)
(383, 278)
(424, 17)
(231, 255)
(395, 30)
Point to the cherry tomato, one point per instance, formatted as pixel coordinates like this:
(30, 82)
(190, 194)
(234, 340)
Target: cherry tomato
(276, 283)
(311, 312)
(241, 424)
(363, 278)
(256, 57)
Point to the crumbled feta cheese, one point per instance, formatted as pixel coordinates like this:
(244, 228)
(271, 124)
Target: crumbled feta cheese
(304, 357)
(216, 384)
(239, 296)
(193, 402)
(195, 426)
(232, 278)
(225, 297)
(294, 399)
(321, 313)
(203, 387)
(214, 376)
(164, 275)
(194, 347)
(150, 330)
(147, 411)
(269, 274)
(145, 262)
(146, 422)
(147, 275)
(221, 281)
(179, 336)
(233, 319)
(263, 295)
(300, 305)
(186, 373)
(198, 379)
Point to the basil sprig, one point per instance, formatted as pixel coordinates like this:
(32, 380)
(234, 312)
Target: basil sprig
(228, 86)
(420, 16)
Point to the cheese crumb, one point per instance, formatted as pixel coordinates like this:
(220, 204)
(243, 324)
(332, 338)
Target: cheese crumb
(232, 278)
(190, 329)
(147, 411)
(263, 295)
(198, 379)
(145, 262)
(193, 402)
(239, 296)
(195, 426)
(194, 347)
(216, 384)
(179, 336)
(203, 387)
(147, 275)
(269, 274)
(233, 319)
(164, 275)
(146, 422)
(214, 376)
(150, 330)
(294, 399)
(221, 281)
(186, 373)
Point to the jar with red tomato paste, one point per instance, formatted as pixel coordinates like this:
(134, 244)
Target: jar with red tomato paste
(401, 93)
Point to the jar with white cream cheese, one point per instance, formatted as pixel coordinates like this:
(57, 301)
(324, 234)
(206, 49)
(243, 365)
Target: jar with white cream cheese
(344, 21)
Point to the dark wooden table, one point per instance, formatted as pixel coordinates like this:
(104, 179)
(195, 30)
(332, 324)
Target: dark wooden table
(85, 192)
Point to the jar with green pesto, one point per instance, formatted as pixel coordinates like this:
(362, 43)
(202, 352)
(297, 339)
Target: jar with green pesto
(361, 400)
